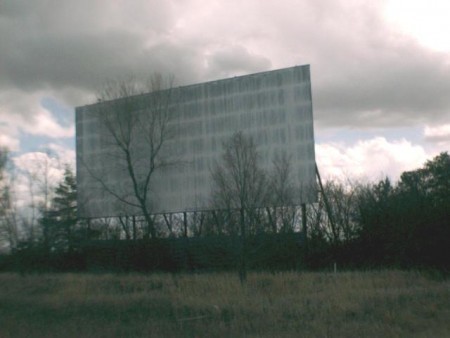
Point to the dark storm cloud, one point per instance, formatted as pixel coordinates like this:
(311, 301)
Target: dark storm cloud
(50, 44)
(82, 61)
(364, 73)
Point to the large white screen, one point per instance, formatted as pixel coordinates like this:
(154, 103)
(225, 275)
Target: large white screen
(274, 107)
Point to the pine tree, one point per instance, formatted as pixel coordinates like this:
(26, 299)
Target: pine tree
(60, 220)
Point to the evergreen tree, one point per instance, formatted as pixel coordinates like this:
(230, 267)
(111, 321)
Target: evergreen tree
(59, 222)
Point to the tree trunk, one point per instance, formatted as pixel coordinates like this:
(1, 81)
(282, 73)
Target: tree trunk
(243, 250)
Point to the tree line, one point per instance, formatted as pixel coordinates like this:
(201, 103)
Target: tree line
(380, 224)
(405, 223)
(400, 224)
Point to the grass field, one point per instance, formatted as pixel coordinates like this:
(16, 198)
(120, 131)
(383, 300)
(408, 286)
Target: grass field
(346, 304)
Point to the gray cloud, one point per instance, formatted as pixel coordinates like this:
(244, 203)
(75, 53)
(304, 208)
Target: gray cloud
(398, 93)
(364, 73)
(235, 60)
(396, 85)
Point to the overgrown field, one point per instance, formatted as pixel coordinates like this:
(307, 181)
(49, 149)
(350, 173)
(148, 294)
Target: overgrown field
(346, 304)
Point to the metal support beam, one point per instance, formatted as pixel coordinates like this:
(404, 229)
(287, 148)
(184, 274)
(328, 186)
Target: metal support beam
(325, 199)
(304, 228)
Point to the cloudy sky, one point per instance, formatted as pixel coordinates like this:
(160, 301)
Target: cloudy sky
(380, 69)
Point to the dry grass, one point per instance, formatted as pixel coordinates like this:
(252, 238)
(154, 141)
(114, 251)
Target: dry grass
(346, 304)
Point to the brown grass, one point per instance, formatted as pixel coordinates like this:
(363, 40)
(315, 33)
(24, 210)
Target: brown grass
(346, 304)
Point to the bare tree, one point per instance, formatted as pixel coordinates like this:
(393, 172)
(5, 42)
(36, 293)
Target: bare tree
(4, 189)
(342, 198)
(138, 129)
(196, 223)
(9, 234)
(283, 215)
(40, 175)
(240, 183)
